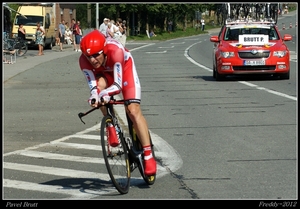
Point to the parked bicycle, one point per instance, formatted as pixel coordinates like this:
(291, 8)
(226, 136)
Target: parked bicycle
(123, 159)
(15, 43)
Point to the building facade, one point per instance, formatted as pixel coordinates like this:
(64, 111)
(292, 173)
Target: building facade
(65, 12)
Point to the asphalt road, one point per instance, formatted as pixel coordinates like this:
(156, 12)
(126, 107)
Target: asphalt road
(214, 140)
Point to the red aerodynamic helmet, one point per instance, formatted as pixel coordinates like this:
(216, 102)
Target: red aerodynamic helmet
(93, 43)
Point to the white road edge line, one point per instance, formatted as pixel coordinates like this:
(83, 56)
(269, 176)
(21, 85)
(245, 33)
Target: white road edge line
(165, 47)
(156, 52)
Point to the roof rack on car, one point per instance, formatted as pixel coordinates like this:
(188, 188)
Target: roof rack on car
(250, 20)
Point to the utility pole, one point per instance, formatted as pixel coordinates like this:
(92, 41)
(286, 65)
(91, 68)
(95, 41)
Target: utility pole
(89, 16)
(97, 15)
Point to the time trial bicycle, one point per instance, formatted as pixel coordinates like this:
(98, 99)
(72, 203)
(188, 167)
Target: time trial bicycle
(121, 160)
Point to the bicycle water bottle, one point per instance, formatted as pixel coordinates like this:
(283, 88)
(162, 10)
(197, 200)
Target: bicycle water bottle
(118, 130)
(112, 135)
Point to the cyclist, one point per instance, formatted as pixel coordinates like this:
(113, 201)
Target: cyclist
(109, 69)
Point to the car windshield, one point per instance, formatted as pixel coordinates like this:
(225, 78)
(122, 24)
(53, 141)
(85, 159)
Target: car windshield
(232, 34)
(29, 20)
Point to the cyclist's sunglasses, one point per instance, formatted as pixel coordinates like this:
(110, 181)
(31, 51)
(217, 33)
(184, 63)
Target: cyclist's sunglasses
(94, 55)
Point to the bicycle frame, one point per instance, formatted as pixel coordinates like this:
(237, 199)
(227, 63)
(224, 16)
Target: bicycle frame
(134, 147)
(138, 154)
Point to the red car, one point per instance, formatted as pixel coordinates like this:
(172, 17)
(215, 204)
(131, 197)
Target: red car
(250, 48)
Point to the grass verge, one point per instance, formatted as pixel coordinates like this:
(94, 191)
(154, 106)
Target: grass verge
(162, 36)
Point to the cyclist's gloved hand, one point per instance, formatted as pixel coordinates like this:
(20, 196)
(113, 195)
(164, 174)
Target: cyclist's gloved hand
(104, 97)
(94, 98)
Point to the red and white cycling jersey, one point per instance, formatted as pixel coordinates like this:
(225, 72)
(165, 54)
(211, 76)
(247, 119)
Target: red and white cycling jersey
(119, 70)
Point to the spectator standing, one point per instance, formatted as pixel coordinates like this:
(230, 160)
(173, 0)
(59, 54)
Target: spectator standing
(66, 25)
(124, 33)
(40, 33)
(115, 30)
(73, 30)
(78, 36)
(124, 27)
(170, 24)
(61, 35)
(21, 35)
(109, 34)
(202, 24)
(103, 26)
(121, 33)
(286, 9)
(119, 25)
(21, 32)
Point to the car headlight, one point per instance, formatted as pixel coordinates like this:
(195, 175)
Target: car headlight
(227, 54)
(279, 53)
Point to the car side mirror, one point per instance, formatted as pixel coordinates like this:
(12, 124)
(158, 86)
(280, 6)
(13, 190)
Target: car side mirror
(214, 39)
(287, 37)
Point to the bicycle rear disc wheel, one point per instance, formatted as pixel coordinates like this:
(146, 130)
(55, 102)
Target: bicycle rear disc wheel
(148, 179)
(116, 160)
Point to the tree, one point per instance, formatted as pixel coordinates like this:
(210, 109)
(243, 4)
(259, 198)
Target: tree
(12, 12)
(144, 16)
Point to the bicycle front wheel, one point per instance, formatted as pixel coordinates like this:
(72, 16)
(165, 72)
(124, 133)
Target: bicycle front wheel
(116, 159)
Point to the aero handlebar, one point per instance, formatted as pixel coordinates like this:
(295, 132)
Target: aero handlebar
(111, 102)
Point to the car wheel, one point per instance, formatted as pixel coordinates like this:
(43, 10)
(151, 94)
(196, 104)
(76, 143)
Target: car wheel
(219, 77)
(214, 71)
(285, 76)
(50, 45)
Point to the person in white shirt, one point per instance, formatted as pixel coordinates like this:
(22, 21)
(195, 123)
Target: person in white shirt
(202, 24)
(115, 30)
(103, 26)
(109, 34)
(68, 36)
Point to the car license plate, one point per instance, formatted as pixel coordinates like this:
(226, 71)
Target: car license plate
(254, 62)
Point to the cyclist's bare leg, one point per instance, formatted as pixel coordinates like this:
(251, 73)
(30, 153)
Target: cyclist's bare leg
(141, 128)
(139, 123)
(135, 114)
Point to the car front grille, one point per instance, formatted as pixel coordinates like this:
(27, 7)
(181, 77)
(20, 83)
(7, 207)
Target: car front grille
(254, 68)
(253, 54)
